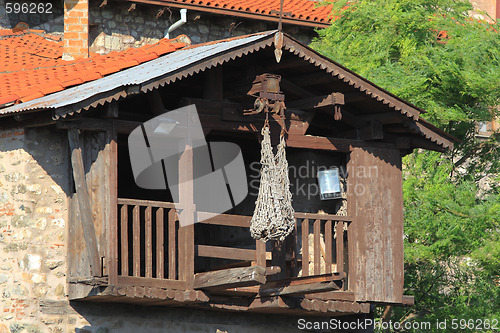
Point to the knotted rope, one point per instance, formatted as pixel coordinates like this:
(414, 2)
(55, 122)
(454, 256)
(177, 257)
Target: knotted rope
(273, 217)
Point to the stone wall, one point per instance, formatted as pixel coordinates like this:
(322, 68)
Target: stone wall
(33, 212)
(113, 27)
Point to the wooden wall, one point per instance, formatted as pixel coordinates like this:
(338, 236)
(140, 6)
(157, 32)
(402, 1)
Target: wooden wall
(97, 157)
(376, 233)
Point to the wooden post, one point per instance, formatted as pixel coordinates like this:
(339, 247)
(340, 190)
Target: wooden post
(186, 198)
(124, 239)
(84, 205)
(112, 223)
(160, 243)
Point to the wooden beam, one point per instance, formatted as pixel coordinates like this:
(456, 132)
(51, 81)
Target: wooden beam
(86, 124)
(309, 288)
(317, 102)
(230, 278)
(226, 252)
(155, 102)
(316, 142)
(111, 110)
(213, 85)
(84, 205)
(290, 87)
(373, 131)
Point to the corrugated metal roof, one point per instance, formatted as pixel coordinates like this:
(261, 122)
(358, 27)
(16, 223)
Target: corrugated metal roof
(136, 75)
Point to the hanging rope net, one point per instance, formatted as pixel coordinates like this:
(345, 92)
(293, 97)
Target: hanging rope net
(273, 218)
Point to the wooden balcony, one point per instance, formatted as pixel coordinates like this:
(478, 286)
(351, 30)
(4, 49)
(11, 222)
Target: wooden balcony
(160, 262)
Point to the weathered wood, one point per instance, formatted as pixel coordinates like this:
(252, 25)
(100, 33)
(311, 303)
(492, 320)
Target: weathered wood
(124, 239)
(86, 124)
(317, 247)
(155, 102)
(230, 278)
(305, 247)
(334, 295)
(111, 194)
(308, 288)
(340, 246)
(373, 131)
(151, 282)
(187, 218)
(148, 242)
(84, 205)
(316, 142)
(160, 244)
(376, 233)
(225, 252)
(315, 102)
(138, 202)
(111, 110)
(224, 219)
(136, 243)
(328, 246)
(278, 258)
(172, 274)
(260, 253)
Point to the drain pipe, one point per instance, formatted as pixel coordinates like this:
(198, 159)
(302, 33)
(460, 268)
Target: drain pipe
(178, 23)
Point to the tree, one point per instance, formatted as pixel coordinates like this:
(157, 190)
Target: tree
(436, 56)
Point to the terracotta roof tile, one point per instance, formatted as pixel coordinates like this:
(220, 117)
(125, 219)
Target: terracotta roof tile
(31, 64)
(306, 10)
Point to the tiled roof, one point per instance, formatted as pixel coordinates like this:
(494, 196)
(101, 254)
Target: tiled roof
(301, 10)
(31, 65)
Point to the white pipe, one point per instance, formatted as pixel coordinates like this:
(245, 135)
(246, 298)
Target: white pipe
(178, 23)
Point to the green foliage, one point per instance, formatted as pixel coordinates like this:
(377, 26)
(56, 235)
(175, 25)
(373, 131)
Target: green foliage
(394, 43)
(452, 248)
(452, 240)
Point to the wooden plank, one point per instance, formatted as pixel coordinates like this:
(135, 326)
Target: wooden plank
(136, 244)
(230, 278)
(317, 247)
(309, 288)
(148, 243)
(313, 216)
(124, 239)
(160, 244)
(151, 282)
(278, 258)
(172, 273)
(334, 295)
(328, 246)
(305, 247)
(340, 246)
(84, 203)
(224, 219)
(225, 252)
(138, 202)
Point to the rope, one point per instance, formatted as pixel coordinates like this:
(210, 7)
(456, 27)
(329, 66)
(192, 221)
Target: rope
(273, 217)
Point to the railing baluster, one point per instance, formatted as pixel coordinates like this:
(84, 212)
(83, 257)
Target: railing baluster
(148, 243)
(305, 247)
(136, 241)
(328, 246)
(171, 244)
(340, 246)
(124, 239)
(317, 247)
(160, 243)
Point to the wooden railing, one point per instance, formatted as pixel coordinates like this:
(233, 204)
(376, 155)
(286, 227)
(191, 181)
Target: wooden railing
(149, 237)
